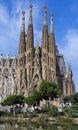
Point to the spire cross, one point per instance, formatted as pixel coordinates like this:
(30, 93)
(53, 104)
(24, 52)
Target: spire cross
(51, 14)
(51, 23)
(30, 17)
(45, 7)
(23, 12)
(31, 6)
(45, 16)
(23, 21)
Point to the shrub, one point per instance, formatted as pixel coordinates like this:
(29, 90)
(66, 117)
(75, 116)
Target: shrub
(53, 110)
(24, 114)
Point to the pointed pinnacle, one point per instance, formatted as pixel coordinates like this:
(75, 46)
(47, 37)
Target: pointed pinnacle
(23, 13)
(45, 15)
(51, 23)
(31, 6)
(45, 6)
(30, 17)
(23, 22)
(51, 14)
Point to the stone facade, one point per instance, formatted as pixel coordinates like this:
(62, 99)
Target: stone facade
(23, 74)
(8, 68)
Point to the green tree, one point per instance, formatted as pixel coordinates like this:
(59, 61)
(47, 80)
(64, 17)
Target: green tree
(13, 100)
(44, 89)
(76, 98)
(72, 98)
(66, 99)
(49, 89)
(34, 98)
(30, 100)
(37, 96)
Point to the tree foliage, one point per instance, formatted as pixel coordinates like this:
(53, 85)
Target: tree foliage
(30, 100)
(72, 98)
(37, 95)
(13, 100)
(49, 89)
(34, 98)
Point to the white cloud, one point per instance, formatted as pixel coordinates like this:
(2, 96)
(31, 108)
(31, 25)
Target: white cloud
(8, 30)
(10, 25)
(70, 52)
(3, 15)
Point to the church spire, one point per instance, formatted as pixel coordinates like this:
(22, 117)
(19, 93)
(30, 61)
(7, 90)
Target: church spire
(45, 31)
(30, 37)
(45, 46)
(23, 22)
(70, 72)
(22, 43)
(51, 24)
(52, 51)
(45, 15)
(30, 17)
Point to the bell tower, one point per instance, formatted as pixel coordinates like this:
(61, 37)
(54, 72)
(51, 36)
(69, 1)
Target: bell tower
(45, 46)
(52, 51)
(29, 49)
(21, 74)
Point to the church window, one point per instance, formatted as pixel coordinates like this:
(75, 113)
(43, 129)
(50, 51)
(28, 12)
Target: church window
(13, 70)
(52, 65)
(22, 87)
(6, 70)
(27, 56)
(6, 73)
(52, 49)
(0, 70)
(52, 60)
(23, 93)
(48, 59)
(21, 61)
(25, 60)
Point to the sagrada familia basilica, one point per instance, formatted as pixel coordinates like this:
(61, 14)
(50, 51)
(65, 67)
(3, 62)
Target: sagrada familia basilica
(24, 73)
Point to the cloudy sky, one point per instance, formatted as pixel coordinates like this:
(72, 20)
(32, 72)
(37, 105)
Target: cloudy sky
(65, 26)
